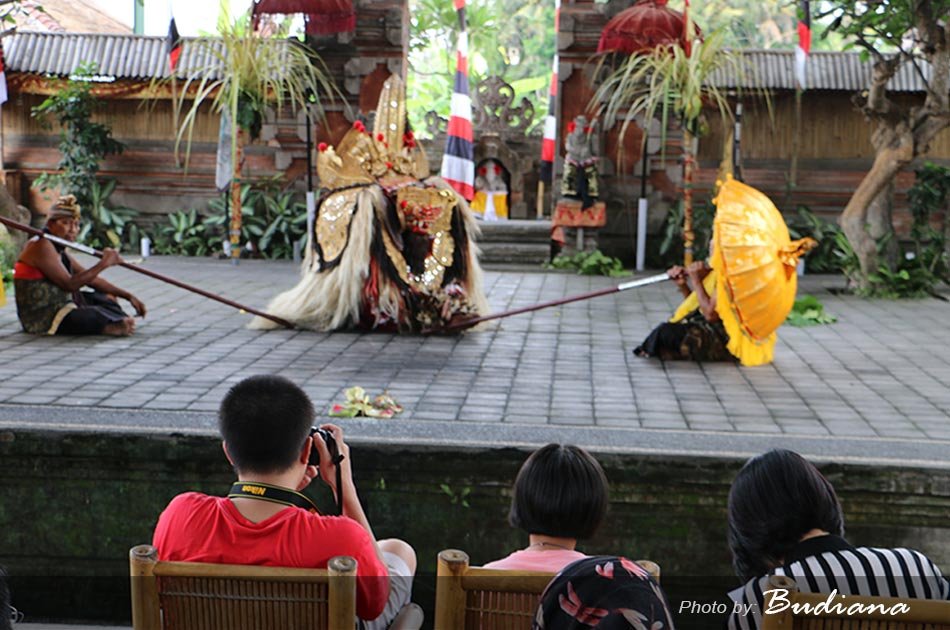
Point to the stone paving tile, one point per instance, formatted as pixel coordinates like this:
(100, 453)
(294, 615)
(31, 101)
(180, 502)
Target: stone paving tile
(881, 371)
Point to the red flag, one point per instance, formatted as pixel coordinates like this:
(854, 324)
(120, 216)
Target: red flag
(173, 45)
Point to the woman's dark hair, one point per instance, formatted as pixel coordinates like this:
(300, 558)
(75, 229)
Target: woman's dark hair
(777, 498)
(264, 421)
(560, 491)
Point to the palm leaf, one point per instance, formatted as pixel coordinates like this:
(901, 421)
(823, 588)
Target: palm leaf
(667, 82)
(242, 67)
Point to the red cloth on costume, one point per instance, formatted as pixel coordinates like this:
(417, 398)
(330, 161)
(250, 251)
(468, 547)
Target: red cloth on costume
(199, 528)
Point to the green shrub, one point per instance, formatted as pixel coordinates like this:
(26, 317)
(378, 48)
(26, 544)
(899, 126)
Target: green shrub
(594, 263)
(185, 235)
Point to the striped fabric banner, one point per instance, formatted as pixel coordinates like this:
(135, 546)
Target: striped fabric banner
(458, 161)
(804, 45)
(549, 140)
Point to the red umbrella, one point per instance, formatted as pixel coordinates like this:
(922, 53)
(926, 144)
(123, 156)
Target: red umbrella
(322, 17)
(642, 27)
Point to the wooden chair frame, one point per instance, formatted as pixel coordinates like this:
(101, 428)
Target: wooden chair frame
(147, 572)
(923, 614)
(502, 592)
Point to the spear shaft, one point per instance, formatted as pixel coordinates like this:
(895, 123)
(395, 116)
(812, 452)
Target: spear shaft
(633, 284)
(148, 272)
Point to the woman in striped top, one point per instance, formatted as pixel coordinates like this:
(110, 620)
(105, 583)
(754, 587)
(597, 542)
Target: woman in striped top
(785, 519)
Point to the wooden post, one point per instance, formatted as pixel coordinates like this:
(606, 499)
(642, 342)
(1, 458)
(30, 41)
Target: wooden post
(342, 591)
(688, 164)
(539, 206)
(145, 609)
(783, 620)
(449, 595)
(652, 568)
(235, 222)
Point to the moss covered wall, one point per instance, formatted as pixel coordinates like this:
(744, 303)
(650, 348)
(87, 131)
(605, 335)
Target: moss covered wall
(73, 504)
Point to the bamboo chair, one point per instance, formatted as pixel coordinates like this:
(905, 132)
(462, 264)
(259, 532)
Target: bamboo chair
(199, 596)
(924, 614)
(474, 598)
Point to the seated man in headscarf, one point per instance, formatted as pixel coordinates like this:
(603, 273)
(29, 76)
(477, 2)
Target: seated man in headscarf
(695, 332)
(48, 282)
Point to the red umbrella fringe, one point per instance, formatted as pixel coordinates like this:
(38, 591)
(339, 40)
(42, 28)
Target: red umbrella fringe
(330, 23)
(321, 17)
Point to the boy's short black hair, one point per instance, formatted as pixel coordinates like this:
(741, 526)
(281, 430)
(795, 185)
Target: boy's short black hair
(561, 490)
(264, 420)
(777, 498)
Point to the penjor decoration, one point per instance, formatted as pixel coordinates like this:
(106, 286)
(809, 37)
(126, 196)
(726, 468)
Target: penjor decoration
(392, 247)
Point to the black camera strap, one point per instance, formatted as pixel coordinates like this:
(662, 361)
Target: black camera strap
(274, 494)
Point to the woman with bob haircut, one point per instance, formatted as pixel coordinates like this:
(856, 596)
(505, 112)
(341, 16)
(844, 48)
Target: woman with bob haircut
(560, 496)
(785, 519)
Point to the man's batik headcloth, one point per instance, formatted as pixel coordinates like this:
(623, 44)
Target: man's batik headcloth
(65, 208)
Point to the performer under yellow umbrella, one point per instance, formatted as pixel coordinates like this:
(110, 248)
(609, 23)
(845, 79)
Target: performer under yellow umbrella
(740, 299)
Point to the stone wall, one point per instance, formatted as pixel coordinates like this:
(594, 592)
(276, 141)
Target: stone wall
(75, 503)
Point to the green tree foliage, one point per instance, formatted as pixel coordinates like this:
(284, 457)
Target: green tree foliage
(513, 39)
(83, 143)
(893, 34)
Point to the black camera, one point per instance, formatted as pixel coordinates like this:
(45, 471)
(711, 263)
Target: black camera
(331, 447)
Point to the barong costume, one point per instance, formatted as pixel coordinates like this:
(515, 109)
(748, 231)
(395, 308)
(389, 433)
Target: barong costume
(392, 247)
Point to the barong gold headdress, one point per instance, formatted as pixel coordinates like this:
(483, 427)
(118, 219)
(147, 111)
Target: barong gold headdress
(65, 208)
(388, 155)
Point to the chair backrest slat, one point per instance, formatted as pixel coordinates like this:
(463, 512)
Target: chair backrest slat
(198, 596)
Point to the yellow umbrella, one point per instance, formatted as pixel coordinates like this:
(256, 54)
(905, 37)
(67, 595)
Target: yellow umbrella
(756, 264)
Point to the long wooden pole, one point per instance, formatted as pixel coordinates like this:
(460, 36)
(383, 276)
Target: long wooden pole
(633, 284)
(148, 272)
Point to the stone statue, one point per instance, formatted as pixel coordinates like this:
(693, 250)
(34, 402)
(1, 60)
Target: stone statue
(491, 192)
(580, 163)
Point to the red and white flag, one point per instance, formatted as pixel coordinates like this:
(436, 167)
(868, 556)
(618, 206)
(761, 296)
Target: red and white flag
(804, 45)
(549, 139)
(458, 161)
(173, 45)
(3, 77)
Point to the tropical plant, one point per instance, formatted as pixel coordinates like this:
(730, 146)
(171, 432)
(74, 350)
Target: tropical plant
(105, 225)
(809, 311)
(82, 143)
(241, 73)
(930, 194)
(184, 235)
(672, 81)
(8, 257)
(826, 257)
(220, 212)
(286, 219)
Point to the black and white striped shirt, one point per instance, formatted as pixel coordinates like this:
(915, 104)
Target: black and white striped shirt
(825, 563)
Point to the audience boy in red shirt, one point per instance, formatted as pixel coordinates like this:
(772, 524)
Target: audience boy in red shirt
(265, 424)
